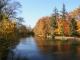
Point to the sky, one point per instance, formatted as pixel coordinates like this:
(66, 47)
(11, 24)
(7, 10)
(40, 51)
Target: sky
(32, 10)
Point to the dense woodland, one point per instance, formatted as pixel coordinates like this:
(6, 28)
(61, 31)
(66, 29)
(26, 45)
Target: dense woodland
(62, 23)
(11, 26)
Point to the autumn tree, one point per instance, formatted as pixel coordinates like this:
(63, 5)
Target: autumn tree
(8, 29)
(66, 27)
(8, 19)
(74, 22)
(64, 23)
(43, 26)
(75, 13)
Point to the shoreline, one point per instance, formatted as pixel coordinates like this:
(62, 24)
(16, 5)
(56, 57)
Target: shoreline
(67, 38)
(63, 37)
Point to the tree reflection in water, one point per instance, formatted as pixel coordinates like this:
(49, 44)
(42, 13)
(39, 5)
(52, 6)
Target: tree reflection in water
(39, 49)
(59, 50)
(6, 46)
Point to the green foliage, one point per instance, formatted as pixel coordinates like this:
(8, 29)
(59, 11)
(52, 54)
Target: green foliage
(63, 18)
(73, 27)
(62, 30)
(54, 20)
(63, 11)
(59, 23)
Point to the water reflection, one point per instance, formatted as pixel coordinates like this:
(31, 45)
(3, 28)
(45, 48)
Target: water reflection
(36, 48)
(6, 46)
(59, 50)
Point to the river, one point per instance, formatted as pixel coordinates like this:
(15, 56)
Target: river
(36, 48)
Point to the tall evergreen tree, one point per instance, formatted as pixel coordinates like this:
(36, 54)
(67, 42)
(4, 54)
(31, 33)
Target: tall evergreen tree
(54, 19)
(73, 27)
(63, 18)
(54, 16)
(63, 11)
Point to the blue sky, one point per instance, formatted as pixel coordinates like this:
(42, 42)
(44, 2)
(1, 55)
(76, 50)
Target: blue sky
(32, 10)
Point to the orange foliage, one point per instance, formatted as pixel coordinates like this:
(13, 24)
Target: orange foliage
(66, 26)
(75, 13)
(42, 26)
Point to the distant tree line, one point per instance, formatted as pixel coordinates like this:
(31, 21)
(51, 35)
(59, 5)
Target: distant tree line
(59, 23)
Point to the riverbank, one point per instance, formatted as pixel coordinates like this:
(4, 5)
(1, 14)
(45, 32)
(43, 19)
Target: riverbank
(67, 38)
(62, 37)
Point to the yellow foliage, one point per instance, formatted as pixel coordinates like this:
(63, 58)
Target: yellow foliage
(66, 26)
(7, 29)
(75, 13)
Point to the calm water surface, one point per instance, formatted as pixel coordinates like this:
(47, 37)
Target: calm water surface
(35, 48)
